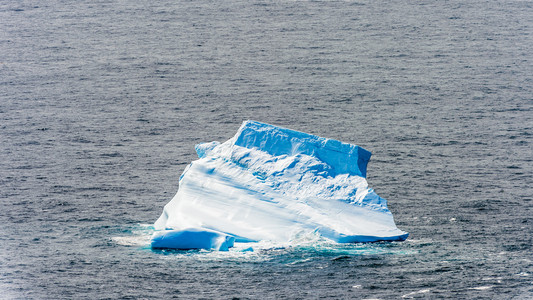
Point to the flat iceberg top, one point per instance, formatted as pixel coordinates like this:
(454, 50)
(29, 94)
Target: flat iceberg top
(276, 141)
(272, 183)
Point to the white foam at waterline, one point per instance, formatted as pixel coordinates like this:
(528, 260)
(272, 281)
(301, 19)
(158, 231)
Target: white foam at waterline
(412, 294)
(137, 240)
(482, 288)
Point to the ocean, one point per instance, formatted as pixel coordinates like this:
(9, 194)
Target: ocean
(102, 102)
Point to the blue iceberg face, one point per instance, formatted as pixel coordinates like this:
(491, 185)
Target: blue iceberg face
(193, 238)
(271, 183)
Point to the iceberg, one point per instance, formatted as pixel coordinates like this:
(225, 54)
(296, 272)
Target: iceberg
(269, 183)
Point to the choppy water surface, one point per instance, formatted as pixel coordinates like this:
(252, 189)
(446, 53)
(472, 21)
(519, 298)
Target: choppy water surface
(102, 102)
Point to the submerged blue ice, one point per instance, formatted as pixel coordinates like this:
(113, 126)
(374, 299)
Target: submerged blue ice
(272, 183)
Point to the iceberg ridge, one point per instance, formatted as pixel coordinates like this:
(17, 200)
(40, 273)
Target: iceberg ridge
(272, 183)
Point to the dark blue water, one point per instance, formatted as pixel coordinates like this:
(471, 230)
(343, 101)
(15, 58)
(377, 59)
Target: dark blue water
(102, 102)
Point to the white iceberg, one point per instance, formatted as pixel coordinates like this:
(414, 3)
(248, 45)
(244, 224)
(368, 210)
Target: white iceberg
(269, 183)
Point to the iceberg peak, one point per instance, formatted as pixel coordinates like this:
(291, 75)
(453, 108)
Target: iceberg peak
(342, 157)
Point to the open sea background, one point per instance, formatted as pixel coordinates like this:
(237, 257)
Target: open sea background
(102, 102)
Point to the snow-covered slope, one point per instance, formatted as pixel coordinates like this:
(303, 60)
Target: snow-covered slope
(272, 183)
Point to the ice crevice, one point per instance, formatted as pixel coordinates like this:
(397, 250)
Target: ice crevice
(269, 183)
